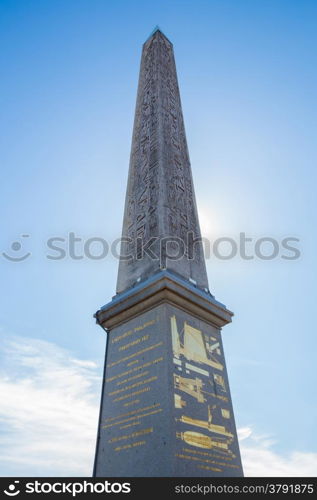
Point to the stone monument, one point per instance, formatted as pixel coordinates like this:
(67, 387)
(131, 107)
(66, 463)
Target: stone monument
(165, 408)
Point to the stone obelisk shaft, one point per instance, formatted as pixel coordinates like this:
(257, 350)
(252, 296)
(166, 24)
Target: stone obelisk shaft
(160, 219)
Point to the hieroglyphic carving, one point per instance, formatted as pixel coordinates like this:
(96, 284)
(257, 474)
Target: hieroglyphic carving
(160, 197)
(142, 192)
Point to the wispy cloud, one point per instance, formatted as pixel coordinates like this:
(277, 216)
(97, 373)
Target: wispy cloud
(49, 410)
(259, 458)
(49, 414)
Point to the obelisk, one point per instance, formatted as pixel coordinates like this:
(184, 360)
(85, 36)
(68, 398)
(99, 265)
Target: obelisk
(166, 408)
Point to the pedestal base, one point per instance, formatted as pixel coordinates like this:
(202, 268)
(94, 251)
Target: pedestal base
(166, 408)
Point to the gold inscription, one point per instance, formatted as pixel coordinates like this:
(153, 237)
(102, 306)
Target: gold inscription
(134, 342)
(130, 332)
(139, 410)
(135, 393)
(126, 358)
(132, 386)
(127, 446)
(142, 432)
(138, 417)
(132, 378)
(136, 368)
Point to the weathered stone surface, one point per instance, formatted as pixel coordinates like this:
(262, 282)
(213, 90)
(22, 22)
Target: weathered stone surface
(160, 200)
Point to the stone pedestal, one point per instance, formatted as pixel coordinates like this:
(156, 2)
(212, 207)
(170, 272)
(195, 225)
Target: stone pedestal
(166, 408)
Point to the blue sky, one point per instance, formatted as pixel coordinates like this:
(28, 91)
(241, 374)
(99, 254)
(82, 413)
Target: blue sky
(247, 75)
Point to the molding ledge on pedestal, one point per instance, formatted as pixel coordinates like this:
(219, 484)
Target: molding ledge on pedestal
(164, 287)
